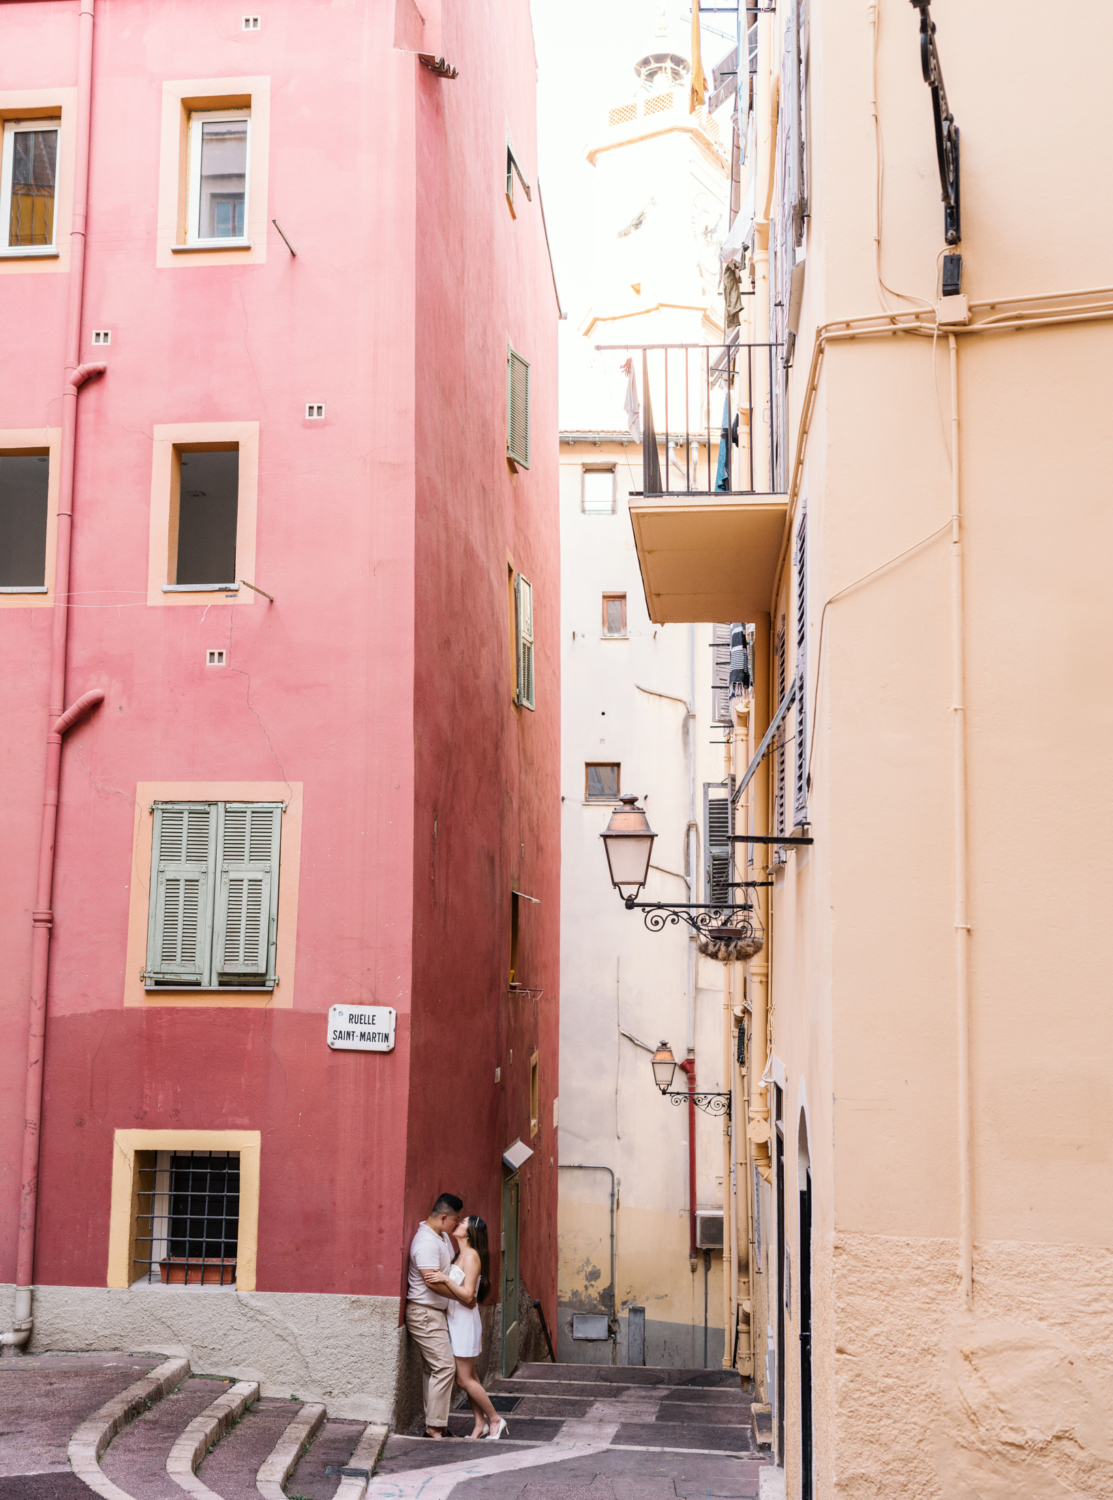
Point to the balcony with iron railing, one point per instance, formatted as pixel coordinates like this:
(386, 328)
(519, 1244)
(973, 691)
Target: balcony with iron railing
(709, 519)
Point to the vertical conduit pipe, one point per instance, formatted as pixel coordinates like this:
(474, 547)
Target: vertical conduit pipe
(41, 918)
(962, 921)
(689, 1069)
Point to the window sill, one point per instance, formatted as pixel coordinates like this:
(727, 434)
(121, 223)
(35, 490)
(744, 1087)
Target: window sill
(600, 802)
(200, 588)
(29, 252)
(623, 637)
(210, 989)
(143, 1285)
(210, 245)
(24, 588)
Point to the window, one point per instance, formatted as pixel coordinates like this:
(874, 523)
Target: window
(779, 784)
(28, 177)
(217, 176)
(602, 782)
(614, 615)
(513, 169)
(598, 492)
(515, 917)
(204, 511)
(718, 825)
(24, 483)
(187, 1213)
(800, 777)
(534, 1098)
(517, 409)
(213, 913)
(720, 674)
(523, 630)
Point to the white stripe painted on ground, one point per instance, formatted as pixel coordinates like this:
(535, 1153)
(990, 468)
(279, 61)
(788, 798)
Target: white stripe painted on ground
(438, 1481)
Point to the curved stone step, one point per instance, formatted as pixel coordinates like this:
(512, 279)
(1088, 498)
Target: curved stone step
(203, 1433)
(136, 1461)
(231, 1469)
(96, 1432)
(332, 1448)
(287, 1452)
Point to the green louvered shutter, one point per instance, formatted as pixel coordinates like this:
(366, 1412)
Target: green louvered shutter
(517, 408)
(247, 893)
(524, 592)
(179, 932)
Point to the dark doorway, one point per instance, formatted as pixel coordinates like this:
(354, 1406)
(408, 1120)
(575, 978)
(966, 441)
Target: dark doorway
(782, 1271)
(806, 1338)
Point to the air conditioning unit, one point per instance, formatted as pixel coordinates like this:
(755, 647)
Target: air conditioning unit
(709, 1228)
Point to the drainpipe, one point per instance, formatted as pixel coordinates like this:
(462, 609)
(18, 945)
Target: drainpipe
(59, 718)
(689, 1067)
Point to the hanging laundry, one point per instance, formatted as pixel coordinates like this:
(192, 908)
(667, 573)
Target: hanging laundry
(722, 474)
(631, 406)
(651, 462)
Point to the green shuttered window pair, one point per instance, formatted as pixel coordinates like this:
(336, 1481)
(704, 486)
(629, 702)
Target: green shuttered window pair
(214, 895)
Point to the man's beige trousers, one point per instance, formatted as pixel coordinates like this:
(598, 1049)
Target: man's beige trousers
(429, 1330)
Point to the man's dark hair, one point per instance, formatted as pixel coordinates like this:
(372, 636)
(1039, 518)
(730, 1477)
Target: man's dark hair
(447, 1203)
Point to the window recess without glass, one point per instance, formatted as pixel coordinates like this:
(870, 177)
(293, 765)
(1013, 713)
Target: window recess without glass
(24, 482)
(204, 512)
(187, 1215)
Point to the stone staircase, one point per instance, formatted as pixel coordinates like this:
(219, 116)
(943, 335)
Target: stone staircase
(157, 1431)
(127, 1427)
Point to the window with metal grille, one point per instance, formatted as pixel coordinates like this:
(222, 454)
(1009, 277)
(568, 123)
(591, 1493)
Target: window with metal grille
(523, 617)
(720, 674)
(517, 409)
(800, 758)
(718, 825)
(214, 895)
(187, 1216)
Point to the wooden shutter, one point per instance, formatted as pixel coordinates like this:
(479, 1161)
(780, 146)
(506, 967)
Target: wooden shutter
(517, 409)
(720, 674)
(183, 856)
(718, 825)
(523, 595)
(247, 894)
(800, 779)
(779, 778)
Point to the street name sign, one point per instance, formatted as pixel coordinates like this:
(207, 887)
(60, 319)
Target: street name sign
(361, 1028)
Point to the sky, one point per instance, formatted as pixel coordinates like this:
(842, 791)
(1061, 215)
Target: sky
(586, 50)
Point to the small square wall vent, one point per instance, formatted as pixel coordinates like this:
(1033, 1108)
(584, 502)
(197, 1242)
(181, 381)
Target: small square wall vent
(251, 23)
(102, 335)
(214, 659)
(314, 411)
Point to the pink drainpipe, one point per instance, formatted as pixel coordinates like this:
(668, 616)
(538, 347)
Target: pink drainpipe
(59, 718)
(689, 1068)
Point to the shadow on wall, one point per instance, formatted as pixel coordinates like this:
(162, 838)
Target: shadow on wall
(409, 1415)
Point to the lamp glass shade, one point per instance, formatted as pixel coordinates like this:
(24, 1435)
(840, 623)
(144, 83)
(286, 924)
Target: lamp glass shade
(628, 840)
(664, 1067)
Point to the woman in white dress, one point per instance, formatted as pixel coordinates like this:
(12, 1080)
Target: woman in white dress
(467, 1284)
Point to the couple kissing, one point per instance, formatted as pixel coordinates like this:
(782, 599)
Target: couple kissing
(449, 1276)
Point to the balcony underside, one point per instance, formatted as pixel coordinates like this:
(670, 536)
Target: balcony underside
(706, 559)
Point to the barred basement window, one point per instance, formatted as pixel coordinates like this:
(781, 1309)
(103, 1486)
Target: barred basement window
(214, 895)
(517, 409)
(187, 1217)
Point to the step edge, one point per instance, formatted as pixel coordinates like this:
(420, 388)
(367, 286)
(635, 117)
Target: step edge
(366, 1456)
(190, 1447)
(93, 1436)
(277, 1467)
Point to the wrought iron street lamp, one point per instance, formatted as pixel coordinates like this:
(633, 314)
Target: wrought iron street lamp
(664, 1067)
(628, 840)
(664, 1070)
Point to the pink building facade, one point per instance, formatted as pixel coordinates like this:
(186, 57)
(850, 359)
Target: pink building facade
(313, 570)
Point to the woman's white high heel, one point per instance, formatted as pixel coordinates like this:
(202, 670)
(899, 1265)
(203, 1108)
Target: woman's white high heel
(500, 1431)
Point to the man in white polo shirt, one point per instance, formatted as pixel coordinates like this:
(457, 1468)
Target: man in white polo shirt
(432, 1250)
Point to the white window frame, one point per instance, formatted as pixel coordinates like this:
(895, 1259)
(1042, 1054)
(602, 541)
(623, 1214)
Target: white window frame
(11, 128)
(612, 470)
(524, 694)
(198, 118)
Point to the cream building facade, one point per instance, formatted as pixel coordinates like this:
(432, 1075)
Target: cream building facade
(644, 709)
(925, 1178)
